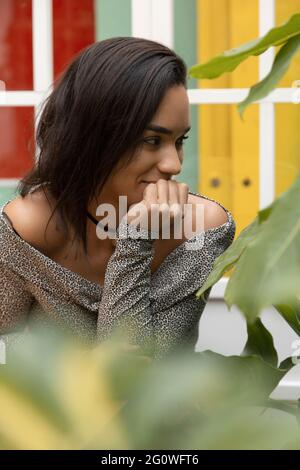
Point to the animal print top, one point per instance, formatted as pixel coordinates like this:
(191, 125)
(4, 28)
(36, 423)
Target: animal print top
(160, 308)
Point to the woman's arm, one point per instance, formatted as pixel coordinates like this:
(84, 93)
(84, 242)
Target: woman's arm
(162, 313)
(126, 292)
(15, 300)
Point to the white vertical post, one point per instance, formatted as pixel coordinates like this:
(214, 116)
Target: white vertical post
(162, 22)
(153, 19)
(141, 18)
(266, 113)
(42, 43)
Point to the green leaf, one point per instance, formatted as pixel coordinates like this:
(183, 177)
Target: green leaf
(185, 401)
(246, 372)
(291, 313)
(229, 60)
(287, 364)
(32, 367)
(264, 214)
(249, 428)
(279, 68)
(229, 258)
(260, 342)
(268, 270)
(164, 411)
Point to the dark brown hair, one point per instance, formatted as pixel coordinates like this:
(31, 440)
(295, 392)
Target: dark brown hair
(97, 112)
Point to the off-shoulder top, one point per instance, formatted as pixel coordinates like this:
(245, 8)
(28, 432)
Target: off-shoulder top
(160, 308)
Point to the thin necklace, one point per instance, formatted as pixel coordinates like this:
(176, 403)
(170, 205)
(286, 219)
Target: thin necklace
(96, 222)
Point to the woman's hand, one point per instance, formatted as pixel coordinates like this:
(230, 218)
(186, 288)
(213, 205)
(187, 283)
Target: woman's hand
(163, 203)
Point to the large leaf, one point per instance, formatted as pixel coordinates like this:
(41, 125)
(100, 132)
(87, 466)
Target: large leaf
(54, 395)
(229, 258)
(268, 270)
(260, 342)
(176, 400)
(186, 401)
(279, 68)
(229, 60)
(249, 428)
(291, 313)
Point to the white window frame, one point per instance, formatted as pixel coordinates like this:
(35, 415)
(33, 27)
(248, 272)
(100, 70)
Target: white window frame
(153, 19)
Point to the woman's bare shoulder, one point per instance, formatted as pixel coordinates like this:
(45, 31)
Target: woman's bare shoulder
(214, 214)
(29, 216)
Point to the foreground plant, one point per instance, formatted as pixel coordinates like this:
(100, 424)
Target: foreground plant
(57, 393)
(287, 36)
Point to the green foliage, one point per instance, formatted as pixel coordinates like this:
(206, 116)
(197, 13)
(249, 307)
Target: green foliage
(266, 256)
(57, 393)
(287, 36)
(260, 342)
(291, 313)
(279, 69)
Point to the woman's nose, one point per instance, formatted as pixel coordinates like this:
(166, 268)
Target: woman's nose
(170, 163)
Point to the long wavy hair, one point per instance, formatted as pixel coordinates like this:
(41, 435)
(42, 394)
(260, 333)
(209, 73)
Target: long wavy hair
(97, 112)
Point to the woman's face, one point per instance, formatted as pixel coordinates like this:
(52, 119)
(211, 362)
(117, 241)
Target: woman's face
(160, 155)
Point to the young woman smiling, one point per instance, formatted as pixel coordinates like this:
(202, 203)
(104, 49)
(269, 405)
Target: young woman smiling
(114, 125)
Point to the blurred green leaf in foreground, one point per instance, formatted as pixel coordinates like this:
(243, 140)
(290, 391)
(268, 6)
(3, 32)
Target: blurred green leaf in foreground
(57, 393)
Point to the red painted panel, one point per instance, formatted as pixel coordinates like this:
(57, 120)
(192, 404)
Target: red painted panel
(16, 44)
(17, 146)
(17, 73)
(74, 29)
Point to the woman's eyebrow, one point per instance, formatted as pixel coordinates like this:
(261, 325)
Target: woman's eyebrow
(162, 130)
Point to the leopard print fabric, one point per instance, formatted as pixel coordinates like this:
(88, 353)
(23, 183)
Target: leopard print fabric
(160, 308)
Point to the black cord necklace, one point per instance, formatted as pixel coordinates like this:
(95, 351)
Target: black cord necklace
(96, 222)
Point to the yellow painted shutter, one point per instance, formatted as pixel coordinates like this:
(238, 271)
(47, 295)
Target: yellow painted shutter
(228, 147)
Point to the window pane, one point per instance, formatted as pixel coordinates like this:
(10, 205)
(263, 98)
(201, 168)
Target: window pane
(16, 137)
(16, 44)
(74, 29)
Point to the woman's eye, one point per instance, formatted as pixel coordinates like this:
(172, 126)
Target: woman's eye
(180, 141)
(156, 140)
(152, 140)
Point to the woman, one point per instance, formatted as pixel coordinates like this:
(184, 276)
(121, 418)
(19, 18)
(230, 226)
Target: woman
(113, 126)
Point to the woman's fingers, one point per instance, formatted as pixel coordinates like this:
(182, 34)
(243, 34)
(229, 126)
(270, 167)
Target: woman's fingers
(162, 192)
(151, 193)
(163, 203)
(183, 197)
(173, 193)
(183, 193)
(176, 209)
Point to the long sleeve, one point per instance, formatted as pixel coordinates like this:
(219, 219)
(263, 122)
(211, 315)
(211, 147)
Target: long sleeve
(15, 300)
(162, 310)
(126, 291)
